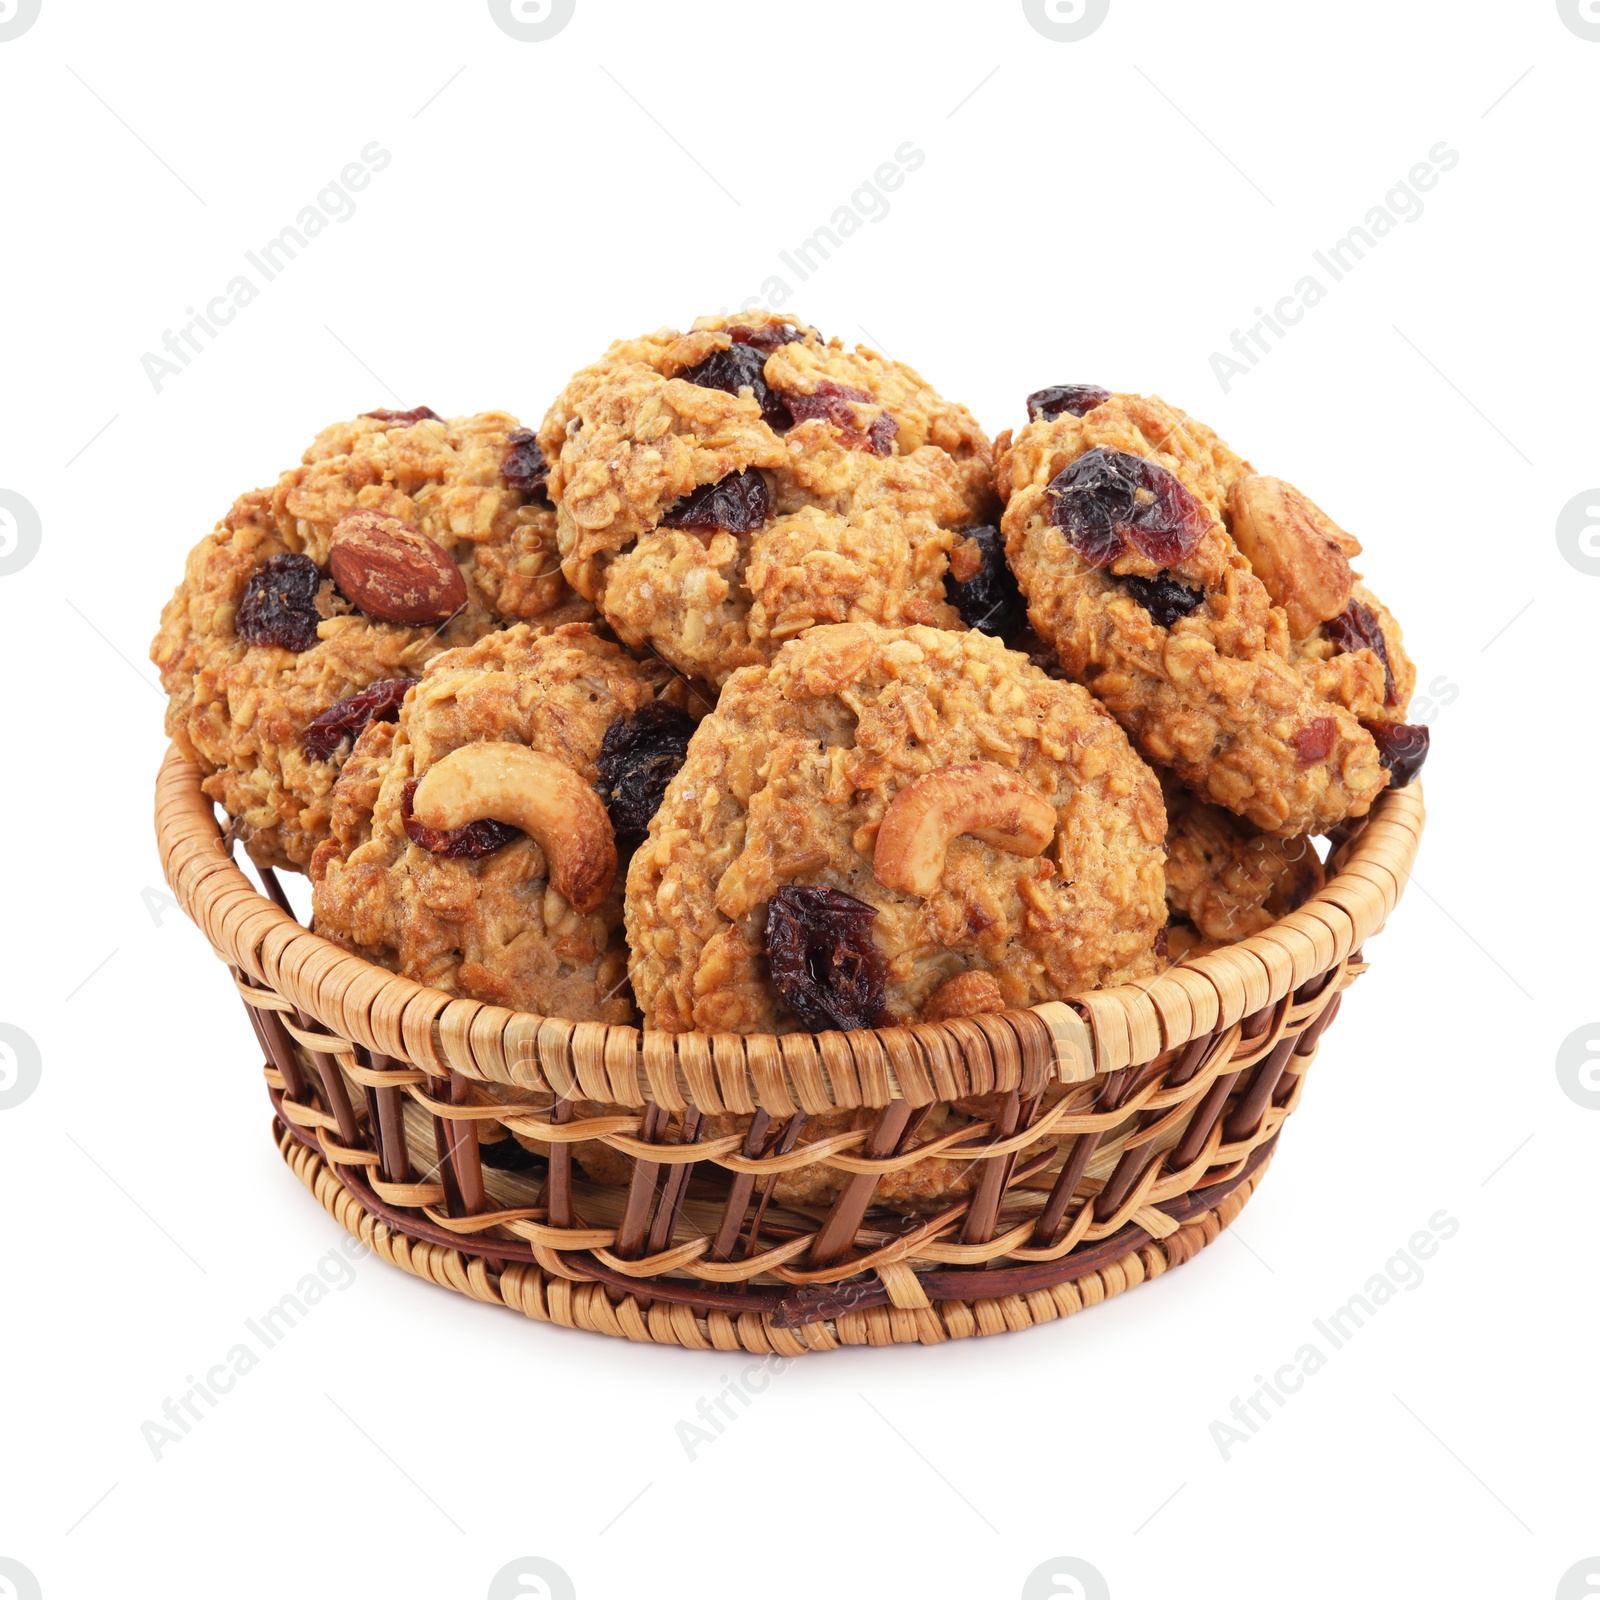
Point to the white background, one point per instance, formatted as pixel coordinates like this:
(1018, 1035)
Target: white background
(1107, 210)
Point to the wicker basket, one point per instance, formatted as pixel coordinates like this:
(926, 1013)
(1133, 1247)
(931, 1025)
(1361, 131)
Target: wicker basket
(1162, 1104)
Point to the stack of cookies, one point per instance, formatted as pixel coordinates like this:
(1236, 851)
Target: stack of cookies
(756, 691)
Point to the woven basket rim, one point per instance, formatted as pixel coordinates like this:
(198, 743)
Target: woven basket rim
(1061, 1041)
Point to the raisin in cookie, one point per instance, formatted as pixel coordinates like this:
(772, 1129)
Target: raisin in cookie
(883, 819)
(471, 847)
(722, 490)
(310, 607)
(1212, 609)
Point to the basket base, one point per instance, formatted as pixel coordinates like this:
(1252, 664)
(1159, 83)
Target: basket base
(598, 1308)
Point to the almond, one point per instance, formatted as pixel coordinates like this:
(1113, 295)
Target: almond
(1300, 554)
(392, 572)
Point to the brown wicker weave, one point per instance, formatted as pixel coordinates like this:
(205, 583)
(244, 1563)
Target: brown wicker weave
(1162, 1100)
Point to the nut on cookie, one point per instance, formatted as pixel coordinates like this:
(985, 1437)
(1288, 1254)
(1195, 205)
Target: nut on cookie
(471, 847)
(313, 604)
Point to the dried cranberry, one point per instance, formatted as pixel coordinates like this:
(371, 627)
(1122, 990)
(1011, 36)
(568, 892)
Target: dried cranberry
(638, 758)
(832, 402)
(1357, 628)
(524, 467)
(1402, 748)
(378, 702)
(1313, 742)
(768, 337)
(990, 600)
(740, 503)
(824, 964)
(1078, 398)
(472, 841)
(280, 604)
(1164, 598)
(742, 366)
(417, 414)
(1107, 502)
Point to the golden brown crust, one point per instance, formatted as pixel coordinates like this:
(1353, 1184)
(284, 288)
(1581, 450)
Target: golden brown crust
(853, 533)
(788, 782)
(1264, 725)
(1226, 879)
(712, 605)
(496, 928)
(241, 711)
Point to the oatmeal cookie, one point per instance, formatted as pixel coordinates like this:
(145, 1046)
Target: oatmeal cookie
(470, 848)
(396, 538)
(1227, 880)
(710, 605)
(1211, 608)
(881, 814)
(720, 491)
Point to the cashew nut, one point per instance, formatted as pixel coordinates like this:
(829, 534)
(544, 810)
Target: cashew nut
(979, 798)
(532, 791)
(1300, 554)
